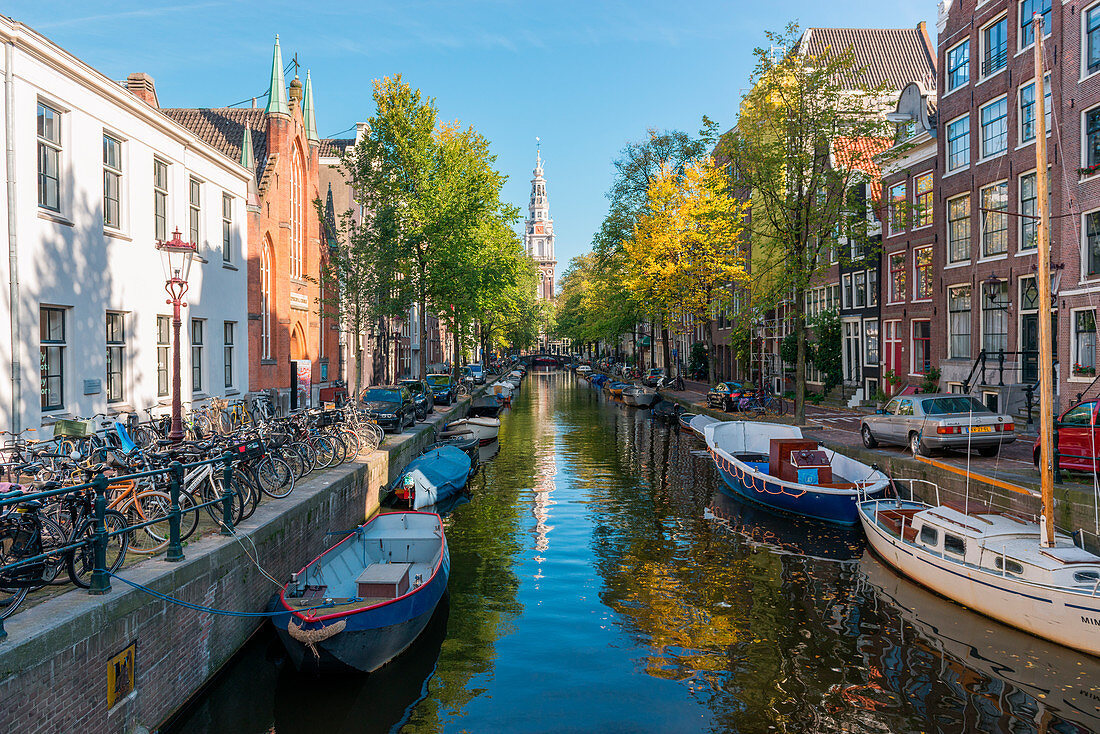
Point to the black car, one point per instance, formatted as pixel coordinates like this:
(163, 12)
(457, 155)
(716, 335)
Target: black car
(391, 407)
(726, 396)
(443, 388)
(652, 376)
(422, 397)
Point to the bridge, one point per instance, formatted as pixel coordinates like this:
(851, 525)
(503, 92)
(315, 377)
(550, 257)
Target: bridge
(543, 359)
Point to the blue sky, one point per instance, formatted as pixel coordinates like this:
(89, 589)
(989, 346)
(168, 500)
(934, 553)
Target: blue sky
(584, 76)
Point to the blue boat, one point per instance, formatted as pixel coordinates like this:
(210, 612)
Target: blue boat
(432, 477)
(362, 602)
(772, 464)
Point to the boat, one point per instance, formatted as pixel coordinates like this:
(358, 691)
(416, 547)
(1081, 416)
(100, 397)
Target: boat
(699, 423)
(431, 477)
(366, 599)
(488, 406)
(666, 410)
(616, 389)
(464, 442)
(1017, 569)
(503, 390)
(684, 420)
(485, 430)
(630, 395)
(772, 464)
(644, 398)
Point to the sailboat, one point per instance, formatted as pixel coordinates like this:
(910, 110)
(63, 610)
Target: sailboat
(1002, 564)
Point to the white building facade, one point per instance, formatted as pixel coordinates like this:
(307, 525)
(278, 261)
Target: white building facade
(538, 233)
(95, 176)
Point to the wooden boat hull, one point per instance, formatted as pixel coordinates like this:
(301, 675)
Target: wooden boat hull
(1068, 618)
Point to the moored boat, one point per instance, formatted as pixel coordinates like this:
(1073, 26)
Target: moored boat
(699, 423)
(432, 477)
(684, 420)
(646, 398)
(772, 464)
(487, 406)
(362, 602)
(630, 395)
(485, 430)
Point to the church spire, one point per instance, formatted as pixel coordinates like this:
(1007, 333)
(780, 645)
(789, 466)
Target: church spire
(308, 113)
(538, 235)
(277, 102)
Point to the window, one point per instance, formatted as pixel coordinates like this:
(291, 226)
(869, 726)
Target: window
(265, 301)
(1027, 109)
(227, 228)
(954, 544)
(958, 143)
(847, 290)
(196, 355)
(116, 355)
(922, 273)
(923, 213)
(872, 287)
(160, 200)
(897, 208)
(1092, 239)
(194, 210)
(51, 336)
(296, 214)
(1079, 415)
(897, 278)
(859, 287)
(995, 317)
(995, 128)
(995, 219)
(49, 158)
(1029, 212)
(958, 66)
(995, 47)
(1008, 565)
(958, 229)
(929, 536)
(228, 352)
(922, 347)
(112, 182)
(870, 341)
(958, 322)
(1028, 8)
(1084, 343)
(1086, 577)
(1092, 40)
(1092, 138)
(164, 340)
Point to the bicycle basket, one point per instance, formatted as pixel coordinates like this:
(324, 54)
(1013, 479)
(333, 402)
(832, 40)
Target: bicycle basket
(71, 429)
(253, 448)
(327, 418)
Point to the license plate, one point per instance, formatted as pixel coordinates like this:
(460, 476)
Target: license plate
(981, 429)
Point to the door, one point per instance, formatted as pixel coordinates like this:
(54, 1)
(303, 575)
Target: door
(851, 352)
(1077, 439)
(893, 354)
(1029, 342)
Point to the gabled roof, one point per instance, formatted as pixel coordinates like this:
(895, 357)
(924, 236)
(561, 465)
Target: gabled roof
(891, 56)
(223, 128)
(334, 147)
(860, 153)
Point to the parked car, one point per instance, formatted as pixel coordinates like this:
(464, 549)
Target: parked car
(924, 422)
(652, 376)
(583, 369)
(726, 396)
(443, 388)
(391, 407)
(423, 399)
(1078, 438)
(477, 372)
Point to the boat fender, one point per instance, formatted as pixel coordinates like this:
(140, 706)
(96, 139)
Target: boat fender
(310, 638)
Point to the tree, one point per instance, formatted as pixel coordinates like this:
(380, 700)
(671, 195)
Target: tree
(684, 256)
(782, 154)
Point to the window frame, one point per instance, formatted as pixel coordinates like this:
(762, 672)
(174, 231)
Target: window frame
(965, 66)
(868, 336)
(872, 286)
(112, 171)
(194, 210)
(45, 146)
(227, 228)
(846, 291)
(898, 286)
(984, 69)
(923, 201)
(951, 154)
(46, 343)
(164, 355)
(896, 219)
(929, 273)
(1048, 102)
(228, 356)
(160, 198)
(198, 327)
(990, 312)
(1087, 251)
(1075, 315)
(1094, 110)
(1024, 27)
(987, 217)
(967, 218)
(859, 291)
(952, 334)
(1002, 124)
(116, 357)
(1088, 69)
(915, 369)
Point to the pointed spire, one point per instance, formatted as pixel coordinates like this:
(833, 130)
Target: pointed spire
(248, 156)
(308, 114)
(276, 97)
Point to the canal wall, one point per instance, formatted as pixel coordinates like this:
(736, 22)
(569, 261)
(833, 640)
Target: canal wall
(59, 657)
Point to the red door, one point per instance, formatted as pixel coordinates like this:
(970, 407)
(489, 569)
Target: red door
(893, 357)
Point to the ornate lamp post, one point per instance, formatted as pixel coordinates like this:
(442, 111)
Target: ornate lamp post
(176, 256)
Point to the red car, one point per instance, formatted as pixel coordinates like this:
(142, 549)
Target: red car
(1078, 438)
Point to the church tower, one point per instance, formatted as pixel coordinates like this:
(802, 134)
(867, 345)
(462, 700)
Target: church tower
(538, 235)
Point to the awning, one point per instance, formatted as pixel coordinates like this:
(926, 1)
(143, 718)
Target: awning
(644, 342)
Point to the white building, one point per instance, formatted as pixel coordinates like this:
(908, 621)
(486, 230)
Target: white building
(95, 177)
(538, 233)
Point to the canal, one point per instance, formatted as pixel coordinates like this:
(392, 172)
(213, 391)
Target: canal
(602, 581)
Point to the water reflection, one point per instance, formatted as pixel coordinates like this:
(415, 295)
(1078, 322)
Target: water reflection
(602, 581)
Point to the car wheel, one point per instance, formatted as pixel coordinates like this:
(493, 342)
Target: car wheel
(916, 445)
(988, 451)
(868, 440)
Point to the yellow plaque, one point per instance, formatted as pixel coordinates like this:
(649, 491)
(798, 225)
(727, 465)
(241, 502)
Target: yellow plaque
(120, 675)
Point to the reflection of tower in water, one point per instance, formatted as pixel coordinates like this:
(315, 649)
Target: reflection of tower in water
(546, 468)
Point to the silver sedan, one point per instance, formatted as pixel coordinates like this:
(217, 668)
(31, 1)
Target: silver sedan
(938, 421)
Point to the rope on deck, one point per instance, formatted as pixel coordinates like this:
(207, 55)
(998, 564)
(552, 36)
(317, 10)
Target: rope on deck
(212, 610)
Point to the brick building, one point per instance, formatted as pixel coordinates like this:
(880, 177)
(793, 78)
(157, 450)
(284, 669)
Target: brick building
(291, 341)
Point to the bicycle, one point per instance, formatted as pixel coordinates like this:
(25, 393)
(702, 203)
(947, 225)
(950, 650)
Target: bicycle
(25, 534)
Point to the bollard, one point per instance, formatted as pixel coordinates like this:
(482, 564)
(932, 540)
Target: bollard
(175, 548)
(227, 494)
(100, 581)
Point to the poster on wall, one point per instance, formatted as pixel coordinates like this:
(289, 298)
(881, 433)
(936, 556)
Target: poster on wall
(303, 382)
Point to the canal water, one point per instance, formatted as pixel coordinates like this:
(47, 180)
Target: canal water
(603, 581)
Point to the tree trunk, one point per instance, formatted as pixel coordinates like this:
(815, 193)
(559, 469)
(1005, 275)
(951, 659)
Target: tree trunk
(422, 317)
(800, 362)
(666, 350)
(634, 337)
(710, 351)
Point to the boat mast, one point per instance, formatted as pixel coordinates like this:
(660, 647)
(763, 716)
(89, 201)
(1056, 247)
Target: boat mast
(1046, 356)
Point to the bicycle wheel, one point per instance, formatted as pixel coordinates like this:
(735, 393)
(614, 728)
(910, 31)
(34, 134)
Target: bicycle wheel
(308, 454)
(340, 445)
(152, 504)
(294, 460)
(243, 504)
(326, 451)
(351, 438)
(81, 561)
(275, 477)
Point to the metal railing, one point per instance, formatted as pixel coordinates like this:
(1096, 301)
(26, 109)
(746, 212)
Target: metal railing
(100, 581)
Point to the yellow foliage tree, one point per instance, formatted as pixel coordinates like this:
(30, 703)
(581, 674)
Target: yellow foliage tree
(685, 257)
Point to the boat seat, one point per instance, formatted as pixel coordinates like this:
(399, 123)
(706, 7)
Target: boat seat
(891, 521)
(910, 534)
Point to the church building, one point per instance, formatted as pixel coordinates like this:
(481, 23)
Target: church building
(538, 234)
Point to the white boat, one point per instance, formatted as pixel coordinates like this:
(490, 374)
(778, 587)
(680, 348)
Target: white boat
(503, 389)
(638, 396)
(485, 430)
(1016, 569)
(699, 423)
(630, 394)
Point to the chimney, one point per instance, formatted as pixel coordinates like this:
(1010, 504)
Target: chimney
(141, 86)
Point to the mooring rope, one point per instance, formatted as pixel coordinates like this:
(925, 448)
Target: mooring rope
(213, 610)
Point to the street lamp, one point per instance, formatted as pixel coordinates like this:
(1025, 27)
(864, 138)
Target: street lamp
(176, 256)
